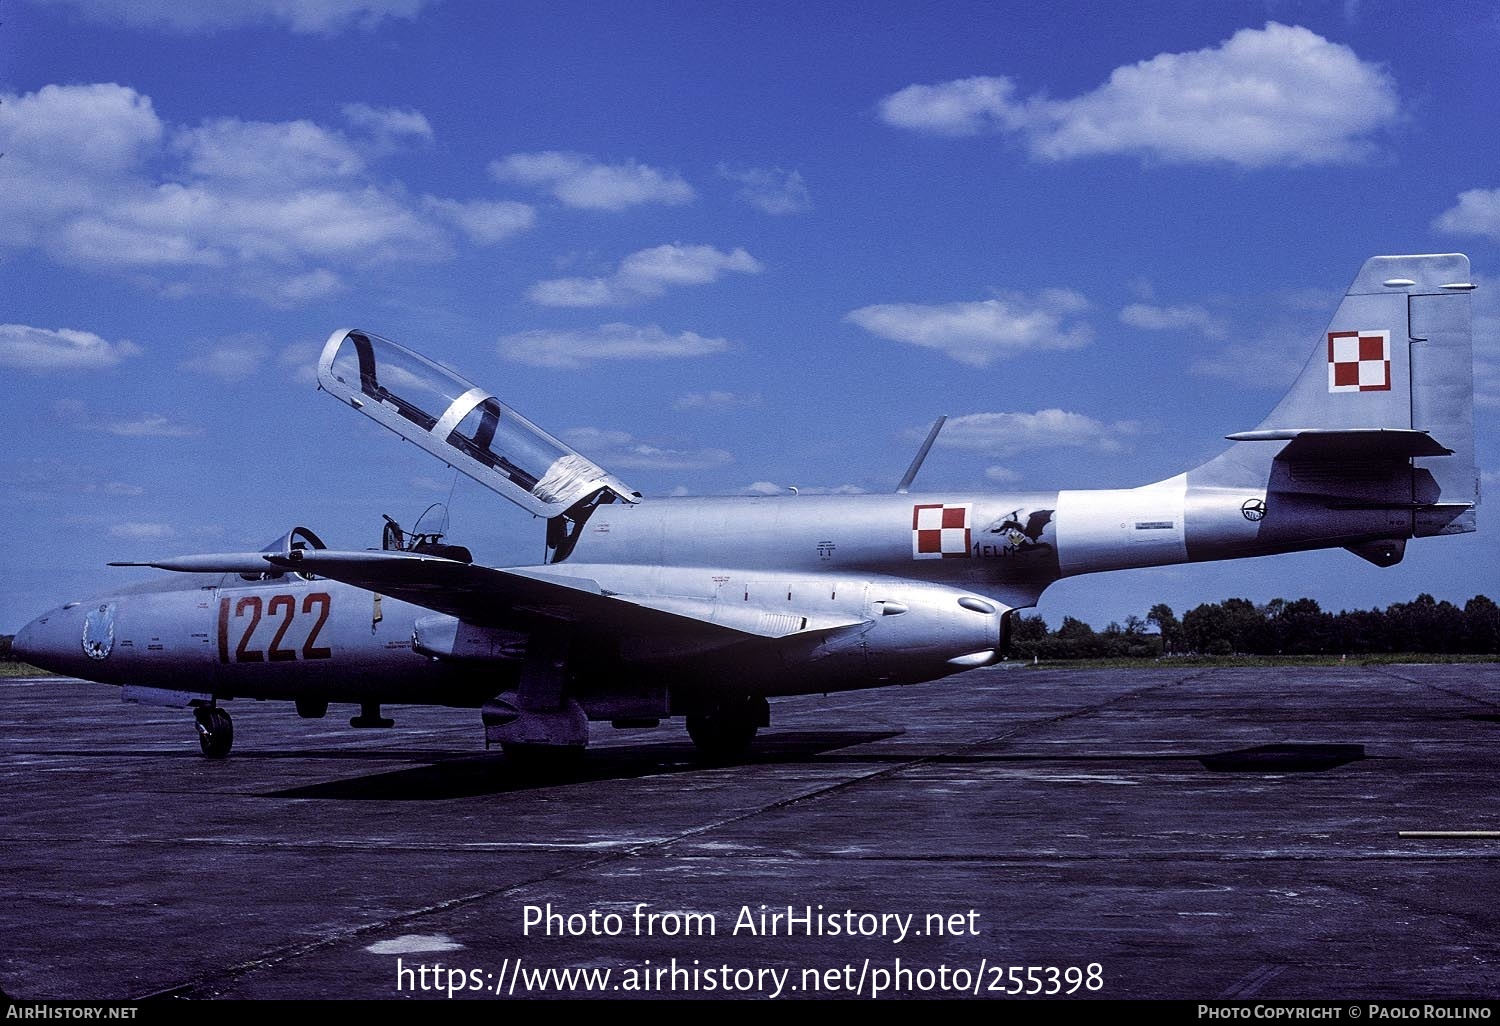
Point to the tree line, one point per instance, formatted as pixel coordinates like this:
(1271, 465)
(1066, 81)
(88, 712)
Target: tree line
(1237, 626)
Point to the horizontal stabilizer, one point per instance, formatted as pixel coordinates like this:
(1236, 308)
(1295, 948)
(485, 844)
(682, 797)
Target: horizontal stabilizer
(1355, 443)
(1433, 507)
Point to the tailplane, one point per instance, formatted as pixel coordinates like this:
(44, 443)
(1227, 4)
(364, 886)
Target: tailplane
(1374, 443)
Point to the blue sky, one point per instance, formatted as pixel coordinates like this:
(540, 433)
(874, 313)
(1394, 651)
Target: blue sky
(720, 248)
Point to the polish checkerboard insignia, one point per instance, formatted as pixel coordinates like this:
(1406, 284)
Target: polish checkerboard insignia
(940, 531)
(1359, 361)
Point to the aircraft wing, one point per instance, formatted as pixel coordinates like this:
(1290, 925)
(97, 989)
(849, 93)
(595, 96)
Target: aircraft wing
(494, 597)
(491, 597)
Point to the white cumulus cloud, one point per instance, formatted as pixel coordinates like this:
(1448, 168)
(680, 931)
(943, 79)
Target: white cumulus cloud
(1025, 432)
(1173, 318)
(136, 531)
(1477, 213)
(1271, 359)
(283, 211)
(568, 350)
(300, 362)
(581, 181)
(77, 415)
(388, 126)
(289, 290)
(1279, 95)
(980, 332)
(267, 155)
(101, 128)
(646, 274)
(770, 190)
(617, 449)
(484, 222)
(45, 349)
(302, 16)
(230, 359)
(965, 106)
(716, 400)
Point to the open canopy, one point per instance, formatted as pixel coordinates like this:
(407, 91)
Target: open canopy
(463, 425)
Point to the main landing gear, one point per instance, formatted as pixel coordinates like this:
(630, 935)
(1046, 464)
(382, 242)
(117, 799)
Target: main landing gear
(723, 732)
(215, 730)
(369, 717)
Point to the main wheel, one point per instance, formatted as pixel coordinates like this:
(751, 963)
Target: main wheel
(725, 732)
(215, 731)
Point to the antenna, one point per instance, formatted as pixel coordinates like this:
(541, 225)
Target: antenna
(916, 464)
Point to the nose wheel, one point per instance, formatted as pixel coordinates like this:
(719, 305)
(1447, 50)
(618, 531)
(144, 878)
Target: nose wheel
(215, 731)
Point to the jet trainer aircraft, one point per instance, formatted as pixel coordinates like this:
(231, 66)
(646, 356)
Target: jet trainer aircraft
(704, 607)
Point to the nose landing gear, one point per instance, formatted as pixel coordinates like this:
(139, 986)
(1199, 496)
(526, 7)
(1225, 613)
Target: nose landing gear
(215, 731)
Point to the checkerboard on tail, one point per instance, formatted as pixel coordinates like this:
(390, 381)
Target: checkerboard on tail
(1359, 361)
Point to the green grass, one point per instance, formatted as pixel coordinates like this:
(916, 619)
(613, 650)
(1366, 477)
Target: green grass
(1367, 659)
(11, 669)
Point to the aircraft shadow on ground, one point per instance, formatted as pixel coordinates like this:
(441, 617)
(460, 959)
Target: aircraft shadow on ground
(478, 775)
(444, 775)
(1284, 758)
(1277, 758)
(190, 752)
(472, 776)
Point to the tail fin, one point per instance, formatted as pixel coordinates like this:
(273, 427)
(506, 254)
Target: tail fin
(1380, 421)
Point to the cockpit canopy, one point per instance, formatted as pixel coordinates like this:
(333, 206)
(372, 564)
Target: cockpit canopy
(298, 538)
(463, 425)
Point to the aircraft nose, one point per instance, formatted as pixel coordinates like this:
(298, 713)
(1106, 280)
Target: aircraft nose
(21, 644)
(41, 642)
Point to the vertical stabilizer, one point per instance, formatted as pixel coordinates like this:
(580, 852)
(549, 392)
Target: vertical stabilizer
(1374, 442)
(1369, 368)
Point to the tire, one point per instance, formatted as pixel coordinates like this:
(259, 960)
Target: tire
(723, 734)
(215, 732)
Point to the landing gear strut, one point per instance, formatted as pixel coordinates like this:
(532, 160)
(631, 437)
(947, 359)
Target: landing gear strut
(724, 732)
(369, 717)
(215, 731)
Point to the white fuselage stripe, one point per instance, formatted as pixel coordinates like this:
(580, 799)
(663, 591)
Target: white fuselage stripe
(1125, 527)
